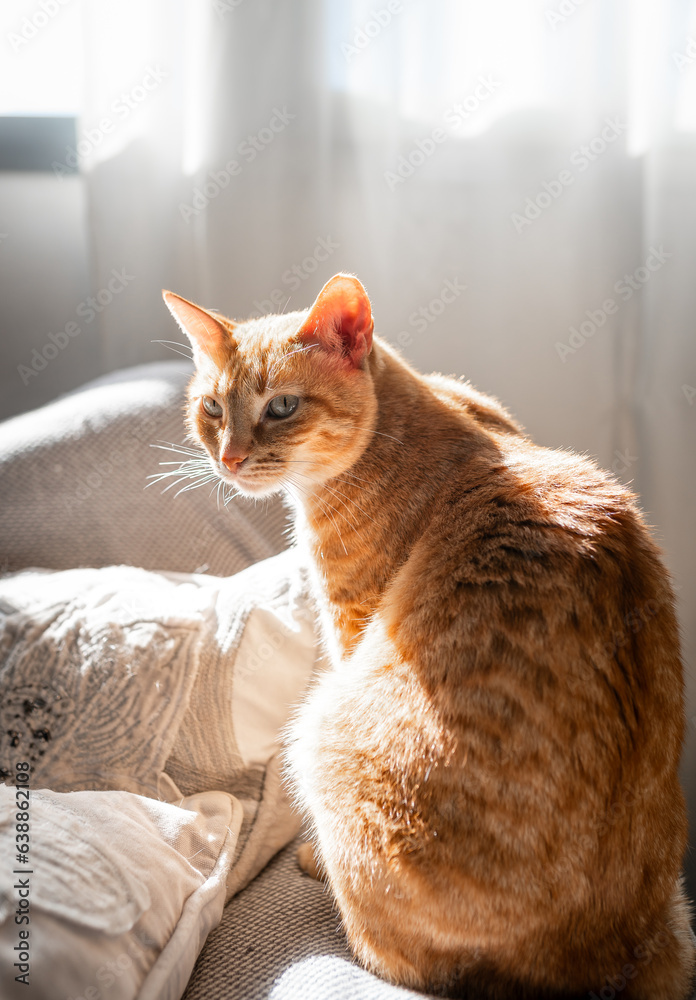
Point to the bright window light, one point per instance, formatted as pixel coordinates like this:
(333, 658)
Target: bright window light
(41, 66)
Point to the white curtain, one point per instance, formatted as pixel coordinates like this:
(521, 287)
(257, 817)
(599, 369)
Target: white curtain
(513, 180)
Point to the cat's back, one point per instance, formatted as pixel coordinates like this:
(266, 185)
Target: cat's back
(532, 620)
(518, 697)
(543, 562)
(512, 514)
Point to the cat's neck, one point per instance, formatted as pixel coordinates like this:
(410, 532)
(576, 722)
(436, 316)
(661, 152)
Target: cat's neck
(360, 526)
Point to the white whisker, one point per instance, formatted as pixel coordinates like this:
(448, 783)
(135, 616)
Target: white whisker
(169, 344)
(192, 472)
(231, 496)
(307, 461)
(194, 485)
(327, 507)
(338, 493)
(187, 469)
(184, 468)
(179, 449)
(298, 350)
(391, 436)
(175, 462)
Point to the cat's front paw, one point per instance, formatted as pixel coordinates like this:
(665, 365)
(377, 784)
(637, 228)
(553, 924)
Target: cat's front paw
(306, 859)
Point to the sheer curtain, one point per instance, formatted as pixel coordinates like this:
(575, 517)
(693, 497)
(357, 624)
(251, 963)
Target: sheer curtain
(513, 181)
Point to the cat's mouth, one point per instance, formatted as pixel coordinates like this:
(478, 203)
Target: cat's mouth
(247, 480)
(265, 475)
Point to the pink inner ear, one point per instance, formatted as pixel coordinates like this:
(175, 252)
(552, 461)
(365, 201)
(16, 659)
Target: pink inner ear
(205, 332)
(341, 319)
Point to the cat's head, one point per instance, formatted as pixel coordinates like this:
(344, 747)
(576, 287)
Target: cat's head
(287, 401)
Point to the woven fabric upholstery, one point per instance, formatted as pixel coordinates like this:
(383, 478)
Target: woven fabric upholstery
(281, 939)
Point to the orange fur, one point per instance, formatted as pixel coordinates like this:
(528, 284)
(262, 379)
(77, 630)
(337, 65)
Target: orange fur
(490, 758)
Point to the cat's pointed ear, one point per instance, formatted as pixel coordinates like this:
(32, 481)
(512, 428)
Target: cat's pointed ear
(205, 331)
(341, 319)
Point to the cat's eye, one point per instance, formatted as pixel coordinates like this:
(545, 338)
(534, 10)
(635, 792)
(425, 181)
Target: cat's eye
(283, 406)
(211, 406)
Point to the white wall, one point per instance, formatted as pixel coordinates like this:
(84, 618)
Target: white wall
(43, 279)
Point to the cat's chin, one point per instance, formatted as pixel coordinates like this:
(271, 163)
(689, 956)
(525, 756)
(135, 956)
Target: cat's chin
(251, 489)
(253, 492)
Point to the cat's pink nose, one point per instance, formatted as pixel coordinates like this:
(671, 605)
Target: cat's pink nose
(233, 459)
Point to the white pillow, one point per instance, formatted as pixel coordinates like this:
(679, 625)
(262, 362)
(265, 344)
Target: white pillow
(122, 892)
(161, 685)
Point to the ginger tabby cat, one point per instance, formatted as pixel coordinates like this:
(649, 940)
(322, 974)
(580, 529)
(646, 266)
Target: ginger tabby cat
(490, 757)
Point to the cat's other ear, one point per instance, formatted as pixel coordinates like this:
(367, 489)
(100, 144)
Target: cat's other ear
(341, 319)
(207, 334)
